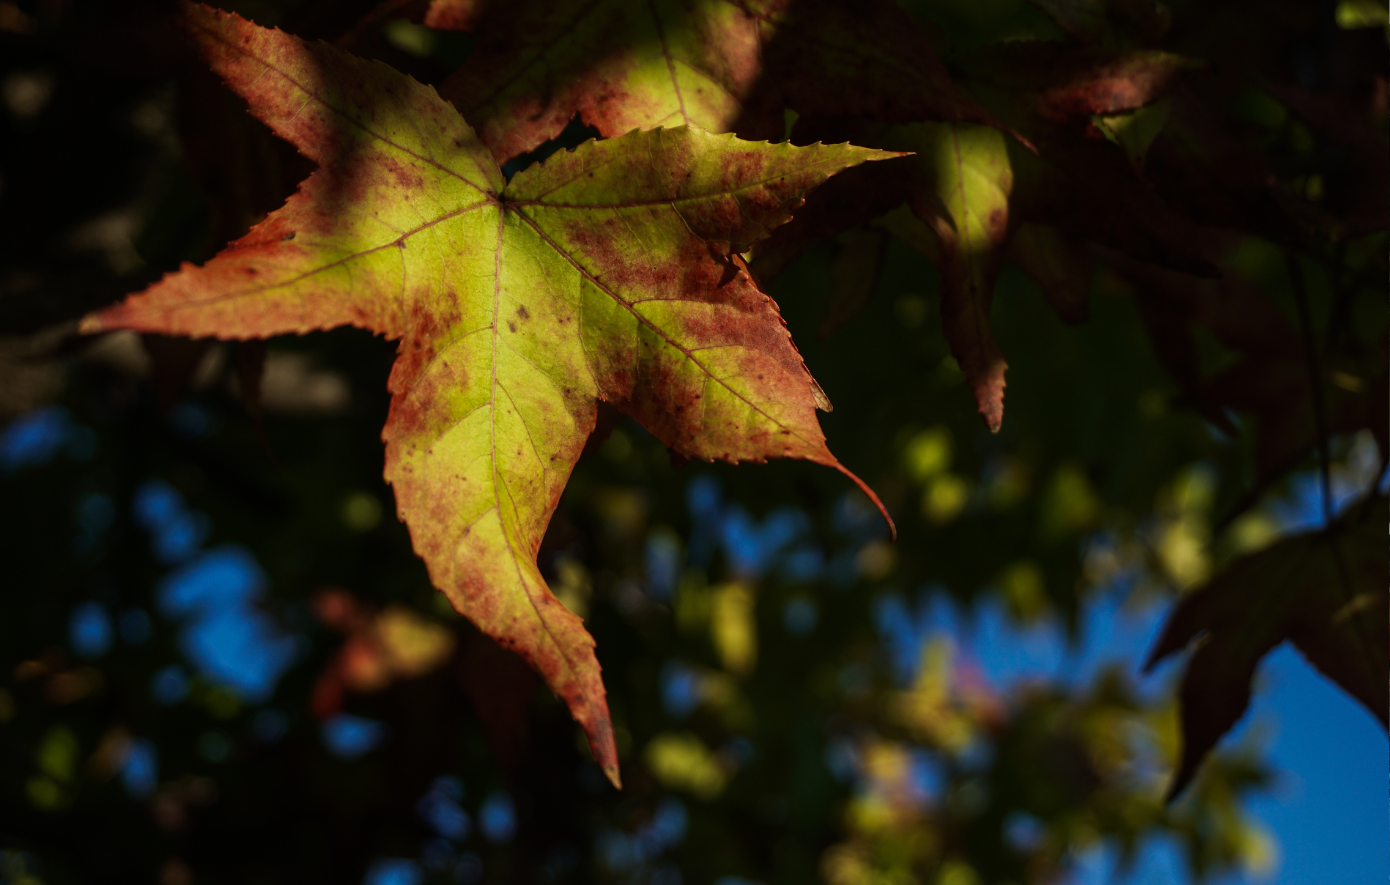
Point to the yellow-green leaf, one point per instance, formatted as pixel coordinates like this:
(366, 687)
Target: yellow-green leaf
(607, 273)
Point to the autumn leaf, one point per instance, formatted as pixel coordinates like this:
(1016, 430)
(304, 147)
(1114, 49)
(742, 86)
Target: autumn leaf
(949, 199)
(962, 179)
(719, 65)
(1324, 591)
(1078, 180)
(606, 273)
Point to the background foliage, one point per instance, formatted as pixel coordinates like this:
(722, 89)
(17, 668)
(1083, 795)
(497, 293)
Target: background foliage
(223, 662)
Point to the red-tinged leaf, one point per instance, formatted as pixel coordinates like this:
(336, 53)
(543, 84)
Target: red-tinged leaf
(501, 690)
(1108, 85)
(1061, 82)
(606, 273)
(1323, 591)
(1079, 181)
(961, 184)
(714, 64)
(1060, 266)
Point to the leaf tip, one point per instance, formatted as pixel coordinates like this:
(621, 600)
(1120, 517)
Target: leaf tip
(91, 324)
(864, 487)
(614, 778)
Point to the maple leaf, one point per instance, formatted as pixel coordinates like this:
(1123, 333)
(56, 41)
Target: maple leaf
(606, 273)
(1324, 591)
(716, 64)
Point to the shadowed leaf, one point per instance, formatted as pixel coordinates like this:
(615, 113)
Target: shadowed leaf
(715, 64)
(1060, 266)
(962, 179)
(1324, 591)
(853, 276)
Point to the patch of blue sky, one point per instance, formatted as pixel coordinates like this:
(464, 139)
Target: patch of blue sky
(35, 438)
(803, 565)
(750, 548)
(1328, 809)
(170, 685)
(497, 817)
(175, 531)
(1301, 507)
(224, 577)
(626, 852)
(394, 871)
(703, 500)
(1160, 861)
(666, 829)
(926, 773)
(680, 689)
(662, 562)
(1328, 813)
(441, 807)
(89, 630)
(1113, 632)
(140, 771)
(350, 737)
(230, 640)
